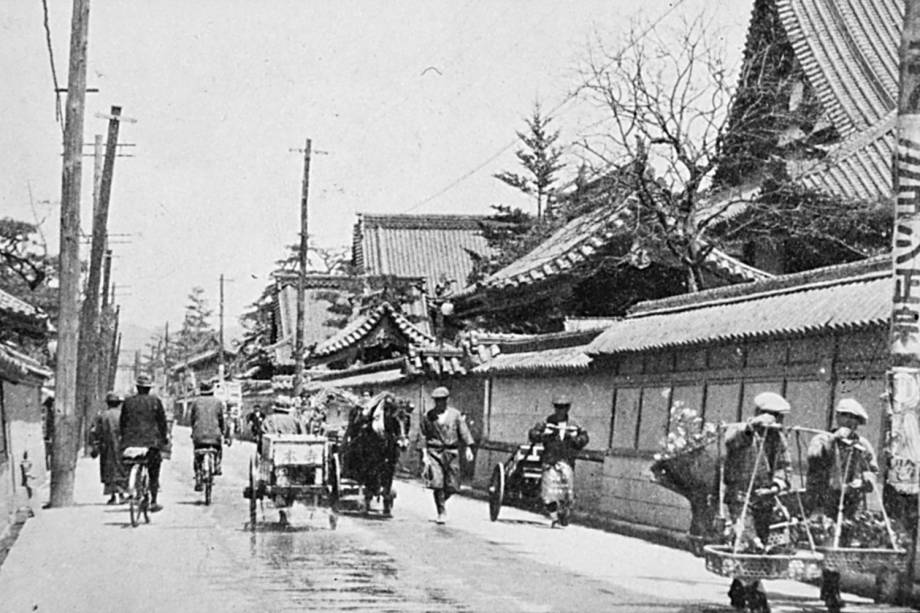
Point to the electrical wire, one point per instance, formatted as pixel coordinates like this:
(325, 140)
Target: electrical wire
(550, 114)
(57, 90)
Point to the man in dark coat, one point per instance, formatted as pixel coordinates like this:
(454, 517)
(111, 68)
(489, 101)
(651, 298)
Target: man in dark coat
(105, 441)
(143, 424)
(561, 438)
(208, 428)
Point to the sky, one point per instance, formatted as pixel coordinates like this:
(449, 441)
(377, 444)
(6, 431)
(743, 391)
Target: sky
(411, 108)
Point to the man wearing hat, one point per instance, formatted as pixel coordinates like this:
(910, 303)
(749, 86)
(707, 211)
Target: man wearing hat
(841, 468)
(440, 433)
(281, 421)
(143, 424)
(561, 438)
(756, 451)
(105, 442)
(208, 428)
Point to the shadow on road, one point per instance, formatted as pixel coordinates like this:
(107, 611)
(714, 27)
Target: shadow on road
(523, 522)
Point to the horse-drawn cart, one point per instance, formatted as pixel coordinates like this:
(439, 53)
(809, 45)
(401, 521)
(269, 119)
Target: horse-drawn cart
(291, 468)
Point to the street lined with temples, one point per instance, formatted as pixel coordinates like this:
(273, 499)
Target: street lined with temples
(207, 555)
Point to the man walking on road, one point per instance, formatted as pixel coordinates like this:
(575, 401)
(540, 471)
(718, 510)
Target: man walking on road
(756, 451)
(442, 430)
(561, 438)
(208, 426)
(841, 469)
(143, 424)
(105, 442)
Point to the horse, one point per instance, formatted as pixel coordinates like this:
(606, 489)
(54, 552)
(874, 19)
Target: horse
(377, 432)
(694, 474)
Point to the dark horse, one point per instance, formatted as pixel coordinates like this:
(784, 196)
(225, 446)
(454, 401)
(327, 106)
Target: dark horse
(377, 432)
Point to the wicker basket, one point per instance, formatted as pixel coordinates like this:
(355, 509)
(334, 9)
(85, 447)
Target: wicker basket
(869, 561)
(721, 561)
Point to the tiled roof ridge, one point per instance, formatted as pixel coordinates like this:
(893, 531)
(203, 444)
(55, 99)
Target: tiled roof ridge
(440, 221)
(852, 272)
(359, 370)
(360, 330)
(558, 359)
(19, 307)
(551, 340)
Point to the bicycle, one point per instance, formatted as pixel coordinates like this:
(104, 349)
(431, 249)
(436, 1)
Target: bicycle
(206, 467)
(138, 484)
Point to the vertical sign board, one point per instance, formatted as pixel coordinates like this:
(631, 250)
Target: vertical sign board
(904, 378)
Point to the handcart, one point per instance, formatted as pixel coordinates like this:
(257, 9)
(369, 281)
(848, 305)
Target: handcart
(519, 478)
(290, 468)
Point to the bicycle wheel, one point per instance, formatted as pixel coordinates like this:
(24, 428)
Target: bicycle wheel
(207, 476)
(145, 499)
(133, 499)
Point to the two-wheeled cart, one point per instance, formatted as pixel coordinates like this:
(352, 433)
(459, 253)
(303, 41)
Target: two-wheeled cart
(289, 468)
(519, 479)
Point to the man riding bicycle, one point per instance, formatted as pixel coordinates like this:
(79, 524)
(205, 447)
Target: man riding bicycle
(208, 427)
(143, 424)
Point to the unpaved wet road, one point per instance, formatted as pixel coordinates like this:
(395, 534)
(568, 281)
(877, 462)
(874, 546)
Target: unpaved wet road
(193, 557)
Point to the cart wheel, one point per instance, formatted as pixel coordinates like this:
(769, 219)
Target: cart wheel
(496, 490)
(252, 495)
(334, 479)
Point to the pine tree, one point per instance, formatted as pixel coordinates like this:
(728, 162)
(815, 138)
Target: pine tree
(196, 334)
(541, 159)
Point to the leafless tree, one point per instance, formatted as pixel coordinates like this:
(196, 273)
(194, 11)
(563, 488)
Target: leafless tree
(694, 139)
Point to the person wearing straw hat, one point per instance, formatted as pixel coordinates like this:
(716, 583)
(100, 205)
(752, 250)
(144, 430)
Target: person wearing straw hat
(441, 432)
(841, 470)
(757, 469)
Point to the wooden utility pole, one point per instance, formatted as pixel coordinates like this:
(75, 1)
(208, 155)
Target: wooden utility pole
(222, 371)
(64, 446)
(166, 358)
(88, 354)
(301, 298)
(904, 377)
(106, 277)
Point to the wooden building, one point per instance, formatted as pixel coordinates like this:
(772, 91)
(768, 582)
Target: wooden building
(22, 415)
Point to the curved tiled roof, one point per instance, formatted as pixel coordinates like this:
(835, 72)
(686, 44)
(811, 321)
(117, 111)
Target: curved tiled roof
(361, 327)
(581, 238)
(849, 52)
(566, 359)
(861, 167)
(757, 310)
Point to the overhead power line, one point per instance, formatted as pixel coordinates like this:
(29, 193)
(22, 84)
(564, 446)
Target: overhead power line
(57, 89)
(553, 111)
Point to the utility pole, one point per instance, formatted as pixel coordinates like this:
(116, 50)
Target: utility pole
(301, 299)
(222, 370)
(64, 445)
(166, 358)
(88, 352)
(904, 377)
(106, 277)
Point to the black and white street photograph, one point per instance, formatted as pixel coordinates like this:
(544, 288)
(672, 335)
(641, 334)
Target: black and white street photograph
(460, 306)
